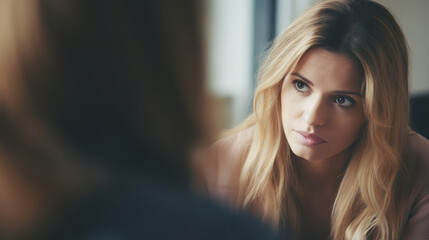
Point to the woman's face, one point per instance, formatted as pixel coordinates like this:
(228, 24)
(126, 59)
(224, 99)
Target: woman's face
(322, 109)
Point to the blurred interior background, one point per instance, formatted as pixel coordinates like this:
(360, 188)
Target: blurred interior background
(239, 31)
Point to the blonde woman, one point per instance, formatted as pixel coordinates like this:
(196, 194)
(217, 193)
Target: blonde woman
(327, 152)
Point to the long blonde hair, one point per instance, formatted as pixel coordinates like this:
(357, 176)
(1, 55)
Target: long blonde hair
(371, 200)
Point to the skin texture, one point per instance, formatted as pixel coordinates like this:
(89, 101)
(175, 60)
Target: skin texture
(322, 116)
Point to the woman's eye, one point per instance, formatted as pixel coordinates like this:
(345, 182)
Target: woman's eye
(300, 86)
(344, 101)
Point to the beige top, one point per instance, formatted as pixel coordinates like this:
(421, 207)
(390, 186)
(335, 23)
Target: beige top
(218, 177)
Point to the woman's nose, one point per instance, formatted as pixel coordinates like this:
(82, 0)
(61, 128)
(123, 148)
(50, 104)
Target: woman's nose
(316, 111)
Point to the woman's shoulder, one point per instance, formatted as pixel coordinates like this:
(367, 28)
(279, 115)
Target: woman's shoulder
(418, 214)
(219, 169)
(231, 147)
(419, 153)
(419, 144)
(419, 157)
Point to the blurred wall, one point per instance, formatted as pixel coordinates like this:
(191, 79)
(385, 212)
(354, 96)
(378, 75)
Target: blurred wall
(230, 29)
(413, 16)
(288, 10)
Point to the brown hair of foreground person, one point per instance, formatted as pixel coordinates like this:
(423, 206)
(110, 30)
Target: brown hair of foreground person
(88, 75)
(94, 92)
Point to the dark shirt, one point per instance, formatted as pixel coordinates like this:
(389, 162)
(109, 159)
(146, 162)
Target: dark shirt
(152, 209)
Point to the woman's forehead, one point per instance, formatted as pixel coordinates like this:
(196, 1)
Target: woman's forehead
(324, 67)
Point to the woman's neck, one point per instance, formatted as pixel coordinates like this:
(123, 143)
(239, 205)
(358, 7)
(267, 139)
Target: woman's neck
(322, 173)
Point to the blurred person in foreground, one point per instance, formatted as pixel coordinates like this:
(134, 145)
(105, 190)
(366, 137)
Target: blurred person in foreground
(101, 105)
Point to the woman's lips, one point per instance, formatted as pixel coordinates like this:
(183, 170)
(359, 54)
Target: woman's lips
(309, 139)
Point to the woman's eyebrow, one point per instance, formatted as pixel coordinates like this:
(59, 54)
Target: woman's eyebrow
(348, 92)
(303, 78)
(311, 84)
